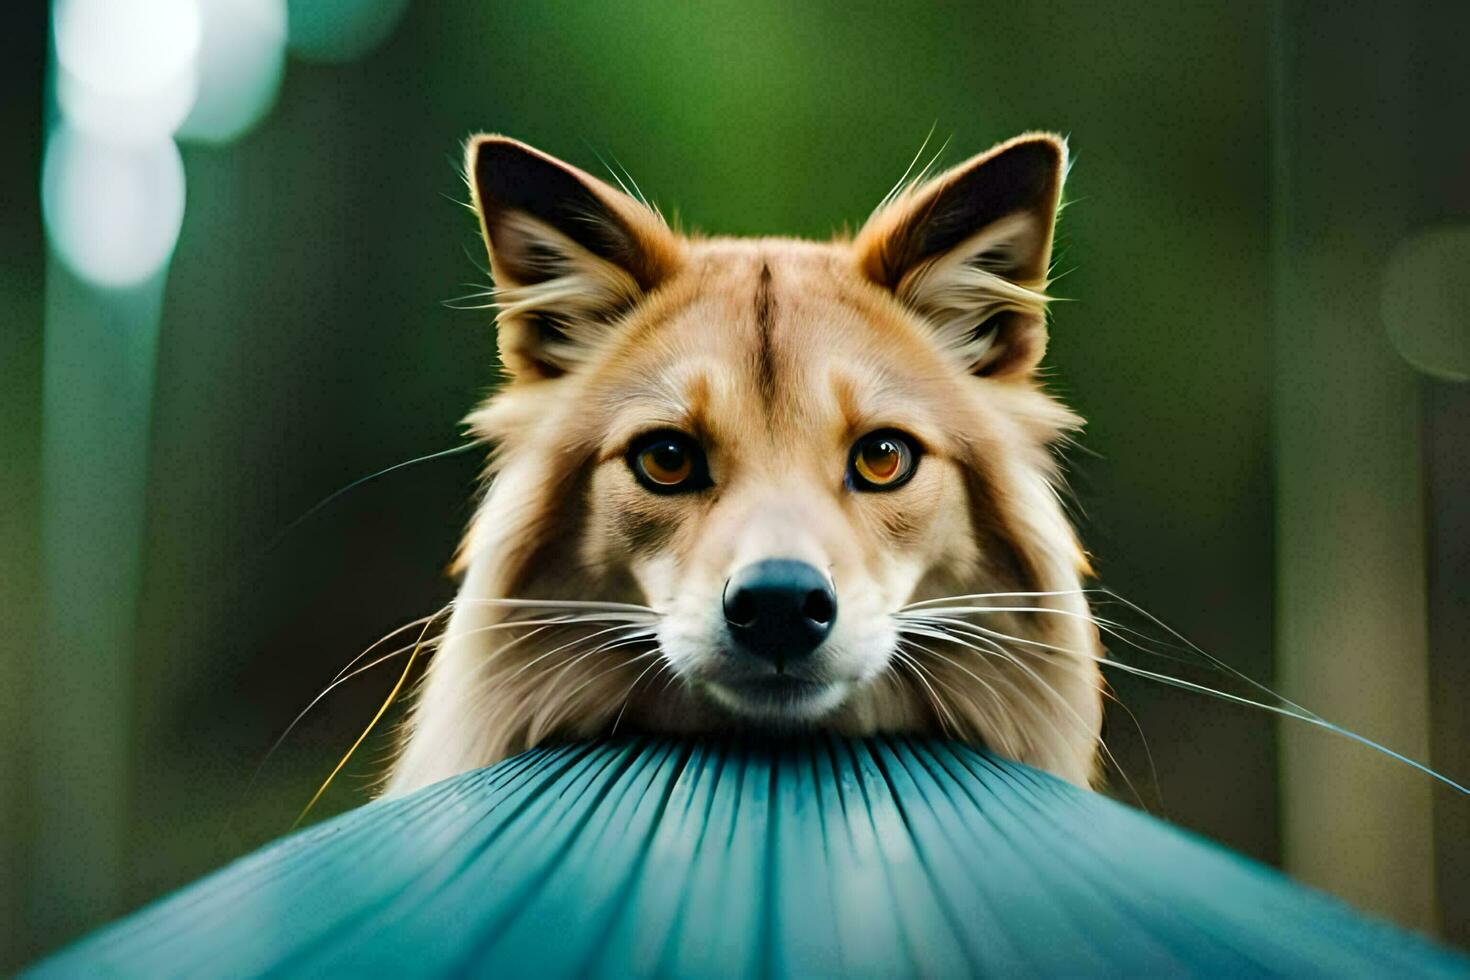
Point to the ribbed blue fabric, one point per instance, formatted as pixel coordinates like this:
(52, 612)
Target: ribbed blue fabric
(883, 857)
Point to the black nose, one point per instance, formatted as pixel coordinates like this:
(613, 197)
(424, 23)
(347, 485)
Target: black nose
(779, 609)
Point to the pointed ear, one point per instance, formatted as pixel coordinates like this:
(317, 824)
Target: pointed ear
(570, 255)
(969, 252)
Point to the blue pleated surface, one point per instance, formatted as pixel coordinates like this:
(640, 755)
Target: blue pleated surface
(636, 857)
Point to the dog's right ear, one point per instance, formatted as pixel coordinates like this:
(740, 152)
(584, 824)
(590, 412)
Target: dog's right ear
(969, 251)
(570, 255)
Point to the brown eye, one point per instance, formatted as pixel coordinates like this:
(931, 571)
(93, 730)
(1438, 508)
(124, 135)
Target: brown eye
(668, 462)
(882, 460)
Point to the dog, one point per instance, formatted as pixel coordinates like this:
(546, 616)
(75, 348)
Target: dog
(767, 485)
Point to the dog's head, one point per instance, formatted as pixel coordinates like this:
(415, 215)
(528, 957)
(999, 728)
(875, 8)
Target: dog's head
(777, 444)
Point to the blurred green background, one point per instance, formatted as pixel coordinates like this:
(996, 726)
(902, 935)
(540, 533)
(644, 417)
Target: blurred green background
(1263, 252)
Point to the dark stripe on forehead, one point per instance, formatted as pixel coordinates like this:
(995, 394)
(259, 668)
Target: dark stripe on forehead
(765, 315)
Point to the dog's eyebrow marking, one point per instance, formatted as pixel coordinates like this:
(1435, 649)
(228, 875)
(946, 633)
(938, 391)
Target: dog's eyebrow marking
(660, 401)
(868, 397)
(765, 315)
(844, 391)
(696, 396)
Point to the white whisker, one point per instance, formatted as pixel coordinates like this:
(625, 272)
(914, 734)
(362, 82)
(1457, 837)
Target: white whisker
(582, 639)
(924, 603)
(617, 642)
(950, 723)
(630, 641)
(422, 620)
(1309, 719)
(629, 695)
(1128, 604)
(586, 605)
(1086, 729)
(1293, 711)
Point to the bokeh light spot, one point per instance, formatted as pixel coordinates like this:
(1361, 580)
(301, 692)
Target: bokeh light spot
(341, 30)
(112, 211)
(1426, 302)
(241, 61)
(127, 69)
(126, 47)
(126, 117)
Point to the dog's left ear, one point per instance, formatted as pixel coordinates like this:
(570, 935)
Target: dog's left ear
(570, 254)
(969, 252)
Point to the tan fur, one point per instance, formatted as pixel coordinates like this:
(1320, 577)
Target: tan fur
(776, 354)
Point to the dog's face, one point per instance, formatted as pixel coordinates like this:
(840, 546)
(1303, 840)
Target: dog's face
(775, 445)
(777, 468)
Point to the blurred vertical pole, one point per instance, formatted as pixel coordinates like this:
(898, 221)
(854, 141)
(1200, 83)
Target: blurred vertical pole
(1447, 429)
(22, 271)
(1350, 529)
(1442, 319)
(97, 396)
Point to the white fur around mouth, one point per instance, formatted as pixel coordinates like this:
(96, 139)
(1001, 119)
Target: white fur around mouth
(779, 699)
